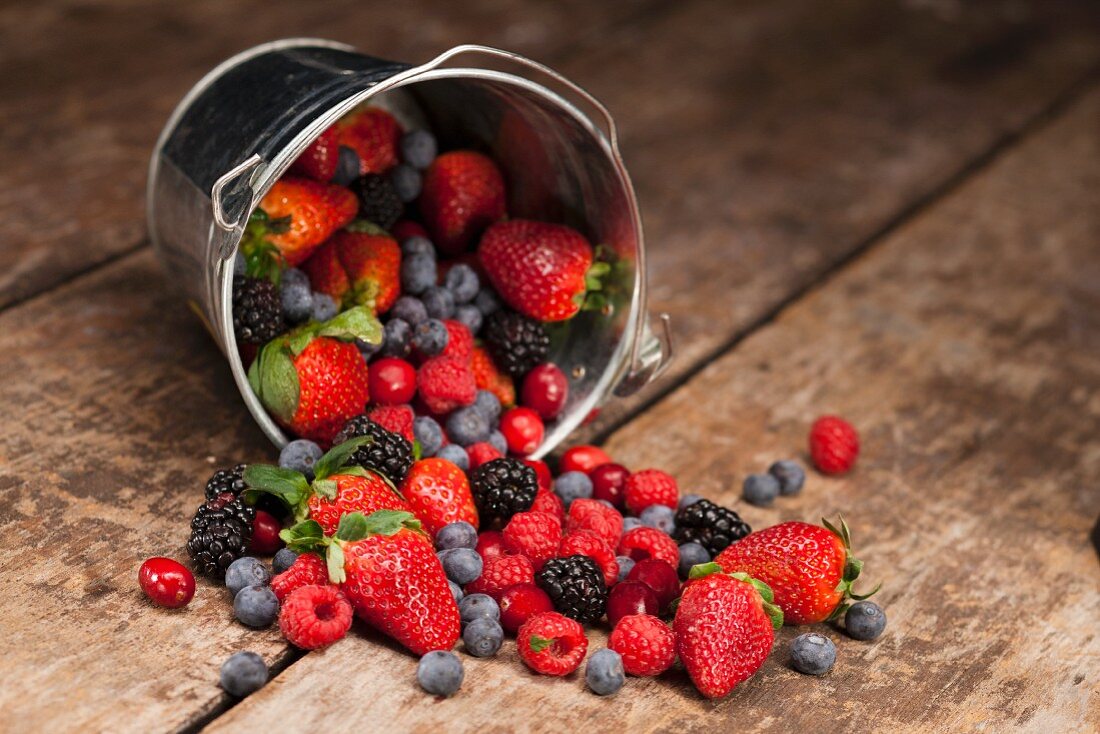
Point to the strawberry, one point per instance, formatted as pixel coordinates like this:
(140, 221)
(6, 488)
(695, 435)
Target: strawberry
(360, 265)
(387, 568)
(337, 488)
(373, 134)
(725, 625)
(319, 160)
(541, 270)
(295, 217)
(462, 194)
(488, 377)
(313, 380)
(439, 493)
(810, 568)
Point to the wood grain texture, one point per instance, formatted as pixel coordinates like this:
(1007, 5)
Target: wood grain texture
(967, 349)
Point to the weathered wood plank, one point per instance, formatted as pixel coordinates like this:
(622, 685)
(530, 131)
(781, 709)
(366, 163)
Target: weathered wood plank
(967, 350)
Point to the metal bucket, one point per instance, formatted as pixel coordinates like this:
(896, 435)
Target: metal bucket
(236, 132)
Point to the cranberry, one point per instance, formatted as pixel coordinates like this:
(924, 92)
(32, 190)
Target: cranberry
(630, 597)
(479, 453)
(391, 381)
(407, 228)
(542, 471)
(521, 602)
(583, 459)
(545, 390)
(490, 544)
(168, 583)
(522, 429)
(659, 576)
(609, 483)
(265, 534)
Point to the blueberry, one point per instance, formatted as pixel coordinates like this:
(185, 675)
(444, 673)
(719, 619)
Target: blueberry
(790, 474)
(488, 404)
(297, 303)
(487, 301)
(462, 281)
(470, 316)
(629, 523)
(459, 534)
(660, 517)
(410, 310)
(812, 654)
(247, 571)
(243, 673)
(428, 433)
(397, 335)
(283, 560)
(864, 620)
(691, 554)
(440, 302)
(573, 485)
(418, 148)
(604, 672)
(367, 349)
(347, 166)
(483, 637)
(626, 563)
(406, 182)
(440, 673)
(418, 272)
(418, 245)
(323, 307)
(456, 590)
(760, 489)
(688, 499)
(256, 606)
(300, 455)
(294, 277)
(467, 426)
(456, 455)
(462, 565)
(607, 503)
(430, 337)
(478, 606)
(498, 442)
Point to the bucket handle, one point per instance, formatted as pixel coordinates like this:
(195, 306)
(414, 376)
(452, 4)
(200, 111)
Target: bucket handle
(217, 202)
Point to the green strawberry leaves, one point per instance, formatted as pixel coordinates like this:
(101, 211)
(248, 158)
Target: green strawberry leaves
(358, 322)
(305, 536)
(263, 259)
(337, 457)
(308, 535)
(605, 282)
(286, 484)
(852, 569)
(702, 570)
(274, 379)
(294, 489)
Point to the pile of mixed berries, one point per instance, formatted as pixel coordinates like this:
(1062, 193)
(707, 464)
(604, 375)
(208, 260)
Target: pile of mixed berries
(427, 550)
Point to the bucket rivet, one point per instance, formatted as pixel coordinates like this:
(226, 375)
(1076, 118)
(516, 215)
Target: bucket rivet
(578, 372)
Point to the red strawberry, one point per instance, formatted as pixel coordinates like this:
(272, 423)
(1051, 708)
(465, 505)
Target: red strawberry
(445, 384)
(297, 215)
(319, 160)
(488, 377)
(439, 493)
(352, 493)
(810, 568)
(373, 134)
(725, 626)
(541, 270)
(358, 266)
(834, 444)
(395, 419)
(462, 194)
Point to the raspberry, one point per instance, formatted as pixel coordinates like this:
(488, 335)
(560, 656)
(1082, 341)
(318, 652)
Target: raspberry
(500, 573)
(583, 458)
(646, 644)
(521, 602)
(642, 543)
(650, 487)
(314, 616)
(535, 535)
(481, 453)
(587, 543)
(395, 419)
(490, 544)
(552, 644)
(660, 577)
(445, 384)
(834, 444)
(575, 585)
(460, 342)
(309, 569)
(595, 516)
(548, 502)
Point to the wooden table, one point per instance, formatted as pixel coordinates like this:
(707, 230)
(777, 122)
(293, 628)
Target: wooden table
(889, 210)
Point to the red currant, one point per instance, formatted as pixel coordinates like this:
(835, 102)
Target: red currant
(522, 429)
(265, 534)
(630, 597)
(542, 471)
(168, 583)
(583, 458)
(545, 390)
(609, 483)
(521, 602)
(659, 576)
(391, 381)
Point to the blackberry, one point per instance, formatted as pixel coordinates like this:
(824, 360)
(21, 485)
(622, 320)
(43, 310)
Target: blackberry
(257, 310)
(220, 532)
(503, 487)
(575, 586)
(389, 454)
(378, 200)
(710, 526)
(516, 342)
(226, 480)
